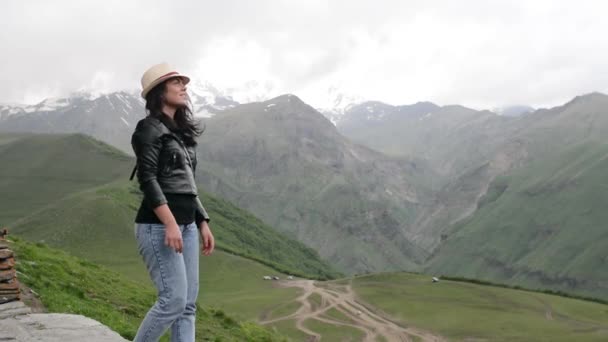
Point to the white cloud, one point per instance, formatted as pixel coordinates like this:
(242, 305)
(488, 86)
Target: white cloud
(477, 53)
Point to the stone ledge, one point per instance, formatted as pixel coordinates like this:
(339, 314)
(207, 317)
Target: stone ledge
(55, 327)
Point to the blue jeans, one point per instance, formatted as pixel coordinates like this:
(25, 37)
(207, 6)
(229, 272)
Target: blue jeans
(175, 276)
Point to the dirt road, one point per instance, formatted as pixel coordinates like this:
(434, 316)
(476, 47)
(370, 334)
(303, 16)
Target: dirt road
(359, 316)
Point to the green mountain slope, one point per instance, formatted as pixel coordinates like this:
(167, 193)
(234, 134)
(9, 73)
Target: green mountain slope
(62, 202)
(543, 225)
(37, 170)
(95, 221)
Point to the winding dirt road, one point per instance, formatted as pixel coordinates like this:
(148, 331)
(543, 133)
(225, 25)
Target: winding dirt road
(342, 298)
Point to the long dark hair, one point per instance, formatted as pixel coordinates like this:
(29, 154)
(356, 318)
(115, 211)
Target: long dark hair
(183, 121)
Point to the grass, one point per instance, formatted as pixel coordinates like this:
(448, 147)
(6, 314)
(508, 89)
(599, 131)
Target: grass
(281, 310)
(315, 301)
(236, 284)
(331, 332)
(72, 285)
(288, 327)
(339, 316)
(461, 311)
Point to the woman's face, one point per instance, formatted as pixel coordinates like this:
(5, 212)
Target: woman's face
(175, 93)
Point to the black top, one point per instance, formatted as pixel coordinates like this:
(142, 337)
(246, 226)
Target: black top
(183, 207)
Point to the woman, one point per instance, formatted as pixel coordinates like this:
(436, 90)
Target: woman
(171, 215)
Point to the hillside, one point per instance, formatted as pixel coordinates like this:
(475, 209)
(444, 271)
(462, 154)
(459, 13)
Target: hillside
(74, 211)
(40, 169)
(68, 284)
(540, 226)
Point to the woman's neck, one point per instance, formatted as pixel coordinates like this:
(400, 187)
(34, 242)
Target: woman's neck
(169, 111)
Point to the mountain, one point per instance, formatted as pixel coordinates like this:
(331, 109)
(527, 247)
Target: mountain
(337, 103)
(478, 155)
(540, 224)
(401, 199)
(451, 138)
(287, 163)
(514, 111)
(7, 110)
(84, 204)
(207, 100)
(108, 117)
(463, 149)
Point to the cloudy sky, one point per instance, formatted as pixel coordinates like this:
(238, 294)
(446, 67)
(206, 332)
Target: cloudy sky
(480, 53)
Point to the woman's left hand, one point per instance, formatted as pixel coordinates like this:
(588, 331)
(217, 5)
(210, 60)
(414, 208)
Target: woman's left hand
(208, 240)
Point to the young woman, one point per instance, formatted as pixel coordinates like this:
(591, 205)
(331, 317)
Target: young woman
(171, 215)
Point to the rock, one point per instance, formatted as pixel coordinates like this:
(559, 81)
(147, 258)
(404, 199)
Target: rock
(5, 253)
(6, 264)
(6, 275)
(13, 309)
(8, 297)
(9, 285)
(55, 327)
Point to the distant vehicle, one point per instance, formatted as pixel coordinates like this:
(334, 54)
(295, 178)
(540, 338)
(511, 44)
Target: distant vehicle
(275, 278)
(267, 278)
(435, 279)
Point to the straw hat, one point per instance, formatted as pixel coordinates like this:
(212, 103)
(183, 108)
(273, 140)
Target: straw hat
(156, 75)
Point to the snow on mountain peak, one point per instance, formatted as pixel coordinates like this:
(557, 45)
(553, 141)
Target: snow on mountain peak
(336, 103)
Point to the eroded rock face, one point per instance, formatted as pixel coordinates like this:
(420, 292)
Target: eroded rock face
(54, 327)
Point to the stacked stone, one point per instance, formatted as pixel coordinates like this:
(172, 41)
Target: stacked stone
(9, 286)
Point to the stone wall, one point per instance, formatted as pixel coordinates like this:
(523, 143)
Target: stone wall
(9, 286)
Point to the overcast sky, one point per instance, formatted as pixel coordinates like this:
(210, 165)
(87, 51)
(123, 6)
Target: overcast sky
(479, 53)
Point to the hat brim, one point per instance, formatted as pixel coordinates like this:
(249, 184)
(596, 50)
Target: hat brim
(161, 79)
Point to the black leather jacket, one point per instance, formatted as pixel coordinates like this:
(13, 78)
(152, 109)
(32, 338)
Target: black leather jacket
(164, 164)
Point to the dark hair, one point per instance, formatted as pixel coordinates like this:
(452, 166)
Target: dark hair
(183, 121)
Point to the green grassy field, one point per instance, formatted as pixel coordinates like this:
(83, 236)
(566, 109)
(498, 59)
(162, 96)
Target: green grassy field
(73, 285)
(331, 332)
(462, 311)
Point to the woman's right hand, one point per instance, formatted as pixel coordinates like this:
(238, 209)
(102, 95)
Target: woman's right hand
(173, 237)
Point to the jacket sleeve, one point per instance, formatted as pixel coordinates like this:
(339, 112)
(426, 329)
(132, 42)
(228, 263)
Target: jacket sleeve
(201, 213)
(146, 142)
